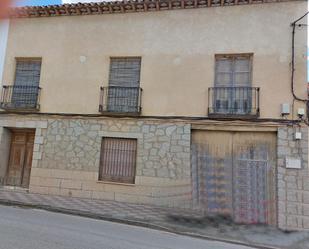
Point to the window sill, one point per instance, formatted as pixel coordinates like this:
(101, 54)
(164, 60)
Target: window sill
(124, 114)
(19, 109)
(231, 116)
(117, 183)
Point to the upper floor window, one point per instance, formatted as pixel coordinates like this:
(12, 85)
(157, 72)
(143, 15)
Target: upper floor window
(123, 94)
(28, 72)
(233, 93)
(125, 72)
(24, 93)
(233, 70)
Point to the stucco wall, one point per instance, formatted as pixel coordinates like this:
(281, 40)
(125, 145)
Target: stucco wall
(177, 50)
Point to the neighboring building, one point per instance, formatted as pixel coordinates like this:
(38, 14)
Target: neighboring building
(4, 28)
(190, 107)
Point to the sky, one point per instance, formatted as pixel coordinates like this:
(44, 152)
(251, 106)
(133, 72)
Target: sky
(47, 2)
(36, 2)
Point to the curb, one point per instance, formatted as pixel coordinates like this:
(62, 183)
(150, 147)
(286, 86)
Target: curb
(85, 214)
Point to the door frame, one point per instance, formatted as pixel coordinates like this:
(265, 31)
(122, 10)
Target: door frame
(18, 130)
(273, 221)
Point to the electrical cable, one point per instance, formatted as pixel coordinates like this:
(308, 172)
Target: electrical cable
(295, 97)
(196, 118)
(293, 59)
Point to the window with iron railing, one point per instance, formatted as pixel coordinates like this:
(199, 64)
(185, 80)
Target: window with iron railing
(233, 93)
(118, 160)
(24, 94)
(123, 94)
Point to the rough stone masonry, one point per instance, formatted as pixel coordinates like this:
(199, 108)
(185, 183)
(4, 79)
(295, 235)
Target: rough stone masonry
(67, 156)
(66, 162)
(163, 149)
(293, 184)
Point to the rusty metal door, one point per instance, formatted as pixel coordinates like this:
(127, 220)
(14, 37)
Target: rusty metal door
(19, 168)
(234, 174)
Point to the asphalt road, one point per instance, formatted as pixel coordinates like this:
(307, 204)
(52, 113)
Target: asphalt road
(38, 229)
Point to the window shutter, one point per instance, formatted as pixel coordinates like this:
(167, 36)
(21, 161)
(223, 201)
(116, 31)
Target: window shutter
(124, 81)
(125, 72)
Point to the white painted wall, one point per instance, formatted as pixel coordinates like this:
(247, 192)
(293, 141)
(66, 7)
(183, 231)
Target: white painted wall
(4, 29)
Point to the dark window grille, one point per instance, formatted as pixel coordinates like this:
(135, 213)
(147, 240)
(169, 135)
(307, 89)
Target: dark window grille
(121, 99)
(123, 94)
(233, 101)
(118, 160)
(20, 97)
(25, 92)
(27, 72)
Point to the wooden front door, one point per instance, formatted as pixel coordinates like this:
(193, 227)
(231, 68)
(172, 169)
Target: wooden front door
(19, 169)
(233, 174)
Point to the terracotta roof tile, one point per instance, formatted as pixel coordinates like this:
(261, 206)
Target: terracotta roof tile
(125, 7)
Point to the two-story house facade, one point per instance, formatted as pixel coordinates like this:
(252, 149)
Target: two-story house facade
(183, 104)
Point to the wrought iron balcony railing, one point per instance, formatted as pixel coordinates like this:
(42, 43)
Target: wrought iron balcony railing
(125, 100)
(234, 101)
(20, 97)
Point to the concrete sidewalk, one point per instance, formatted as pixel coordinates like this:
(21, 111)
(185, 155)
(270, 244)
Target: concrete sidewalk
(180, 221)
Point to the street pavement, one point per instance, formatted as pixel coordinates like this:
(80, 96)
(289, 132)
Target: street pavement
(37, 229)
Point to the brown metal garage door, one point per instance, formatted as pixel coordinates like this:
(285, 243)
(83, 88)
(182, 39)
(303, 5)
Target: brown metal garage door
(234, 174)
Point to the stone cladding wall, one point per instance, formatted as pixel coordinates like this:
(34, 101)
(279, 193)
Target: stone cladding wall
(293, 184)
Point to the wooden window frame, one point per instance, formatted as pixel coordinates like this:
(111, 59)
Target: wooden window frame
(234, 56)
(233, 93)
